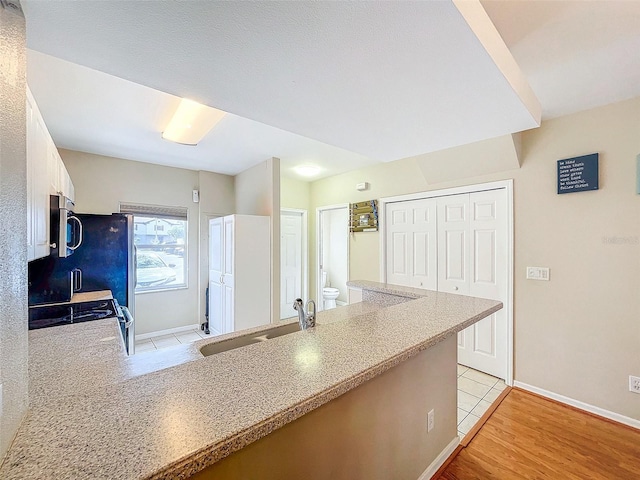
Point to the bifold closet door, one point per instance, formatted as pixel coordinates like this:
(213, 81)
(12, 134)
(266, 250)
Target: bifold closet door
(472, 260)
(456, 244)
(485, 346)
(453, 244)
(411, 244)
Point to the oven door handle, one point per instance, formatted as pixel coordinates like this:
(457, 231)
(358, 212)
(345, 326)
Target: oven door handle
(77, 279)
(128, 318)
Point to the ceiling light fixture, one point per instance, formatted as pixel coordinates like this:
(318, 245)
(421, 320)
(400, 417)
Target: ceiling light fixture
(191, 122)
(307, 170)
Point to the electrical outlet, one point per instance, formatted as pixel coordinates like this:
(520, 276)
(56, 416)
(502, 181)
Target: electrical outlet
(431, 420)
(634, 384)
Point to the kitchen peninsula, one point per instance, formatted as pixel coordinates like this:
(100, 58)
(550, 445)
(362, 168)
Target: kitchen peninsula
(104, 415)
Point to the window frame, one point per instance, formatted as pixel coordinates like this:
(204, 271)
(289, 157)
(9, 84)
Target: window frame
(143, 211)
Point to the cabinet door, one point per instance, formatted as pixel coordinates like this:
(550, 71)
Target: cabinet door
(40, 187)
(228, 307)
(216, 290)
(66, 185)
(216, 321)
(412, 243)
(229, 248)
(30, 161)
(53, 166)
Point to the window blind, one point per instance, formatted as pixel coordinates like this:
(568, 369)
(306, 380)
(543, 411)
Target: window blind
(158, 211)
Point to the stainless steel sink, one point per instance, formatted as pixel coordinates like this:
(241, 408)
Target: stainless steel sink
(244, 340)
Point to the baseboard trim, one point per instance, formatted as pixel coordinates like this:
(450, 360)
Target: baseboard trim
(168, 331)
(597, 411)
(440, 459)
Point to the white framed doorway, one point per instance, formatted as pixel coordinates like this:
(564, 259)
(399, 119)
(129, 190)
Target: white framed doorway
(332, 251)
(435, 223)
(294, 259)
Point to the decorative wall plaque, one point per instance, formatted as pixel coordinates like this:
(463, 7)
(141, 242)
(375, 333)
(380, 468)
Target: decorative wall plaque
(364, 216)
(578, 174)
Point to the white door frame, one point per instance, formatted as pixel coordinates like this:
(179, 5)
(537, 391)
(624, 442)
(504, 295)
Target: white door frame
(319, 211)
(305, 248)
(508, 186)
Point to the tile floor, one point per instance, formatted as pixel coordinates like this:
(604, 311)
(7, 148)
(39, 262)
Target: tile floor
(162, 341)
(476, 392)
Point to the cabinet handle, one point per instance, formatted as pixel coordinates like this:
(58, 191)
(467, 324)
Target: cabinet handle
(455, 288)
(221, 279)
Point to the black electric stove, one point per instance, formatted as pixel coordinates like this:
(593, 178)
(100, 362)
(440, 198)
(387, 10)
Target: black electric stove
(55, 315)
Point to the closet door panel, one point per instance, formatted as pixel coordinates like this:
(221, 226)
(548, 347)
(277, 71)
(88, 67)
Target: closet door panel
(453, 244)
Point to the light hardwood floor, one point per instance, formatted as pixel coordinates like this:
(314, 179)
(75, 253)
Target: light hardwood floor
(529, 437)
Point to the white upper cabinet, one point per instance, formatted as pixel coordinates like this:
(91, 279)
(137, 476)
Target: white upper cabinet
(65, 185)
(30, 193)
(46, 175)
(38, 182)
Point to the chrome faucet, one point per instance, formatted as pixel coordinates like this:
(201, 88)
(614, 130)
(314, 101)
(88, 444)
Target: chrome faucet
(306, 319)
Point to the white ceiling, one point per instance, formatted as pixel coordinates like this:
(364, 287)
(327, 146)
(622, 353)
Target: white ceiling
(379, 78)
(94, 112)
(386, 80)
(576, 55)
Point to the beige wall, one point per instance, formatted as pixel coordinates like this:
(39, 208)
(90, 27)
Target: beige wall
(376, 431)
(578, 334)
(217, 199)
(101, 183)
(294, 193)
(257, 192)
(13, 216)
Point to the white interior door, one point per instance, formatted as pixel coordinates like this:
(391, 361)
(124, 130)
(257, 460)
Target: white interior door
(216, 290)
(291, 261)
(485, 345)
(411, 249)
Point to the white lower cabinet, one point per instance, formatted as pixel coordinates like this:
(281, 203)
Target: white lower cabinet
(46, 175)
(239, 273)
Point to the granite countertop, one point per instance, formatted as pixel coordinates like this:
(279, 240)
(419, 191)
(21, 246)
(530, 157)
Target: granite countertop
(96, 413)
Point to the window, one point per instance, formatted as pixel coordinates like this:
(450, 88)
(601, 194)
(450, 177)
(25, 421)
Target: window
(160, 237)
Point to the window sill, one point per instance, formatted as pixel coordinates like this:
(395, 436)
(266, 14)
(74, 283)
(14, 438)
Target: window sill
(163, 289)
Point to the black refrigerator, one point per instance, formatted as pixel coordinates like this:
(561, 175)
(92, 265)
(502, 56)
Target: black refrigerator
(105, 260)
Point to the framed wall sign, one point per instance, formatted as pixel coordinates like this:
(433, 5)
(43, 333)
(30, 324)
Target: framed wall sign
(364, 216)
(578, 174)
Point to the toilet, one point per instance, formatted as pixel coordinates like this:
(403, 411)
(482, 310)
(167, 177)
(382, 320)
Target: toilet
(329, 295)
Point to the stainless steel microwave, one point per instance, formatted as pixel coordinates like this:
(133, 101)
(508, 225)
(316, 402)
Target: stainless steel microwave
(66, 228)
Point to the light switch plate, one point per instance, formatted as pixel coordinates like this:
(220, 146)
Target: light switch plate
(538, 273)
